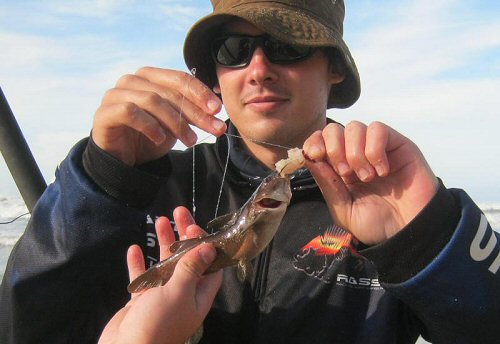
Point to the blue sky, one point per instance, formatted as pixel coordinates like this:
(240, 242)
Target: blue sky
(430, 69)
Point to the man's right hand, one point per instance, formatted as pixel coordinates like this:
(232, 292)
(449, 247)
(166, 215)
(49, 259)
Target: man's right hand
(143, 116)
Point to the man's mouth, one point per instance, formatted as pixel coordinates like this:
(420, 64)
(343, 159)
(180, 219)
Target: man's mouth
(265, 99)
(265, 102)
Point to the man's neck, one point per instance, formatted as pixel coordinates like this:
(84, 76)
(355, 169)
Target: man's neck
(267, 154)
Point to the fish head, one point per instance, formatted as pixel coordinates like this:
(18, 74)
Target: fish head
(272, 195)
(263, 213)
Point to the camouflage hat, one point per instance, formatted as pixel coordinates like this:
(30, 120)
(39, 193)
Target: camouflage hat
(315, 23)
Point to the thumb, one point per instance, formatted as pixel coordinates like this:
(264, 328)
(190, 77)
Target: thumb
(192, 265)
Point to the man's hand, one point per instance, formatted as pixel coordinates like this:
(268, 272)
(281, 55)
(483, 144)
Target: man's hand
(374, 179)
(173, 312)
(141, 118)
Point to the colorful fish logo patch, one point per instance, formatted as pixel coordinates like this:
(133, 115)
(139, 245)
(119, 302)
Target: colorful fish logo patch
(324, 251)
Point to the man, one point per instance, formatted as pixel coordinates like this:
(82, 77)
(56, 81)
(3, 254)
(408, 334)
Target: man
(417, 256)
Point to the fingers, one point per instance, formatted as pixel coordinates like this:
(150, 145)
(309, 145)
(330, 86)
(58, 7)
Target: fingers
(330, 183)
(207, 290)
(198, 102)
(174, 98)
(129, 114)
(356, 153)
(142, 117)
(355, 144)
(189, 272)
(135, 262)
(146, 112)
(165, 234)
(186, 225)
(195, 262)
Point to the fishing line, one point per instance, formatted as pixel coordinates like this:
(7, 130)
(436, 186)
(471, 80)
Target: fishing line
(223, 175)
(193, 75)
(193, 205)
(14, 219)
(260, 142)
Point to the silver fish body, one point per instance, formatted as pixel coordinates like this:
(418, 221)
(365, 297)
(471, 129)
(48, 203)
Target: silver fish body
(238, 237)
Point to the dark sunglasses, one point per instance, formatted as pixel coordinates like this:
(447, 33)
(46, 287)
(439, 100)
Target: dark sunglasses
(236, 51)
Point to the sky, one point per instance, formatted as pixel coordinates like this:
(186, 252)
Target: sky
(429, 68)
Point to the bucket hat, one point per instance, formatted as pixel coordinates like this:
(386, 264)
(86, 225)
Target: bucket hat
(314, 23)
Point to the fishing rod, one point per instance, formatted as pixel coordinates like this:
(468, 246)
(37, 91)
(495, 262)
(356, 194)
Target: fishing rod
(18, 157)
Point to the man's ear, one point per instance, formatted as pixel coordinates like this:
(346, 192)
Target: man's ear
(336, 66)
(216, 89)
(337, 74)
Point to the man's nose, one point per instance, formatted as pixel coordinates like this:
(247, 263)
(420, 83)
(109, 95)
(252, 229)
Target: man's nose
(260, 69)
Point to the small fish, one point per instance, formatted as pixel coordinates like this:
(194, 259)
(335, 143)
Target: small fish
(238, 237)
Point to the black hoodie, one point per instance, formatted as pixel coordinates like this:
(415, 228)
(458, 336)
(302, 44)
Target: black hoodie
(67, 275)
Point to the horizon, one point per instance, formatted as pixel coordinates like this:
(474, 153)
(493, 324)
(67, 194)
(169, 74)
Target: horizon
(429, 69)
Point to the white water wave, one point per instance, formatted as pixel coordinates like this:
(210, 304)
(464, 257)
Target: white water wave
(11, 207)
(10, 227)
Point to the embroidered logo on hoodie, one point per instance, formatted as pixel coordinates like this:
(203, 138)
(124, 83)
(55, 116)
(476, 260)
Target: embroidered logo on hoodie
(324, 252)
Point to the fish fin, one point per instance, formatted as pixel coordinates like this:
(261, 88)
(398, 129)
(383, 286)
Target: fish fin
(244, 271)
(342, 253)
(256, 241)
(195, 337)
(220, 222)
(155, 276)
(182, 245)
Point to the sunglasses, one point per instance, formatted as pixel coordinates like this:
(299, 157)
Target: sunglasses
(236, 51)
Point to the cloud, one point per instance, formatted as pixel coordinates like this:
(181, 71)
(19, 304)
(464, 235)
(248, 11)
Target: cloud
(91, 8)
(428, 68)
(431, 70)
(418, 51)
(181, 17)
(53, 147)
(24, 50)
(423, 41)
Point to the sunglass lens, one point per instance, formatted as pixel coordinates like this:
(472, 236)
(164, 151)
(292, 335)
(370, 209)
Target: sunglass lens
(278, 51)
(236, 51)
(232, 51)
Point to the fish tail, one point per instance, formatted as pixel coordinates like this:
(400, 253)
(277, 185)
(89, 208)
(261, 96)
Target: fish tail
(154, 277)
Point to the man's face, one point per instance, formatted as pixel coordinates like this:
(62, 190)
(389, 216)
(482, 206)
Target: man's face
(276, 103)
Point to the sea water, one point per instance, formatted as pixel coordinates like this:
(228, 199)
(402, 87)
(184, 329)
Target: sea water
(12, 208)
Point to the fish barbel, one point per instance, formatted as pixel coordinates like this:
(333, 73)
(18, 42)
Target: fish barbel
(238, 237)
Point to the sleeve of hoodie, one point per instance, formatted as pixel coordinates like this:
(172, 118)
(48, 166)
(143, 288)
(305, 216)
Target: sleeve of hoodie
(445, 266)
(67, 275)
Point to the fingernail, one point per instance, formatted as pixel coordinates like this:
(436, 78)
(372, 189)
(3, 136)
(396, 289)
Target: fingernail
(363, 174)
(314, 152)
(213, 105)
(380, 170)
(218, 125)
(191, 137)
(343, 168)
(162, 135)
(207, 254)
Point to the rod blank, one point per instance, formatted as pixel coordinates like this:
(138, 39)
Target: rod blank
(18, 157)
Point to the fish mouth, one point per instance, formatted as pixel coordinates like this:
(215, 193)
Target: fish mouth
(269, 203)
